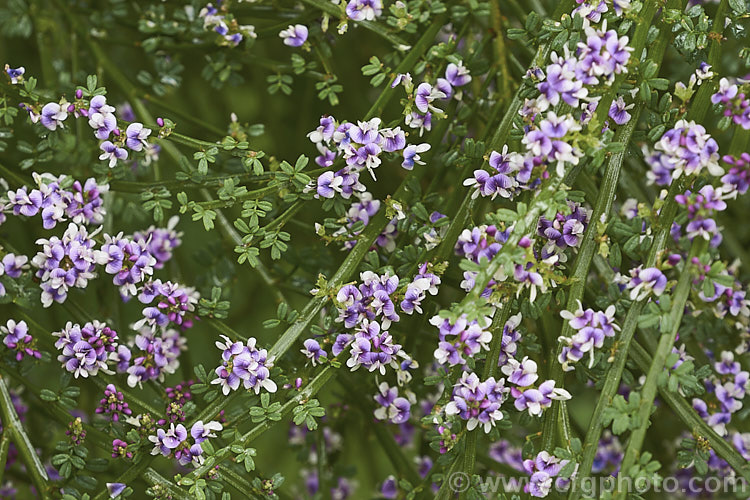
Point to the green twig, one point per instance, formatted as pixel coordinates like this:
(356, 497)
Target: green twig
(12, 425)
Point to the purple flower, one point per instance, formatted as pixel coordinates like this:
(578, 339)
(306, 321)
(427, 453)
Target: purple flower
(25, 203)
(313, 351)
(13, 265)
(661, 168)
(522, 373)
(411, 155)
(457, 75)
(618, 111)
(103, 124)
(294, 35)
(115, 489)
(136, 135)
(535, 400)
(425, 95)
(112, 153)
(645, 281)
(53, 115)
(389, 489)
(15, 74)
(392, 139)
(393, 408)
(364, 10)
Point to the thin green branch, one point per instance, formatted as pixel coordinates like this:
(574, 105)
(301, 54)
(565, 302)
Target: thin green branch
(12, 425)
(666, 342)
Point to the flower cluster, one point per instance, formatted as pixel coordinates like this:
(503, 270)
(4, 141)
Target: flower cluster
(511, 170)
(65, 263)
(362, 211)
(477, 402)
(543, 469)
(361, 146)
(372, 300)
(423, 283)
(523, 374)
(150, 356)
(735, 103)
(243, 364)
(177, 397)
(563, 231)
(113, 404)
(729, 387)
(58, 199)
(230, 32)
(700, 208)
(461, 339)
(129, 261)
(392, 407)
(592, 327)
(160, 242)
(174, 441)
(86, 349)
(689, 149)
(102, 119)
(171, 303)
(371, 348)
(549, 142)
(16, 337)
(12, 266)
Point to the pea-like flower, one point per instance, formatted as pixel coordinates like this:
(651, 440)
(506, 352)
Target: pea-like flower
(295, 35)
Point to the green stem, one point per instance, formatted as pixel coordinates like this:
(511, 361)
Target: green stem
(12, 425)
(614, 374)
(4, 447)
(589, 245)
(666, 342)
